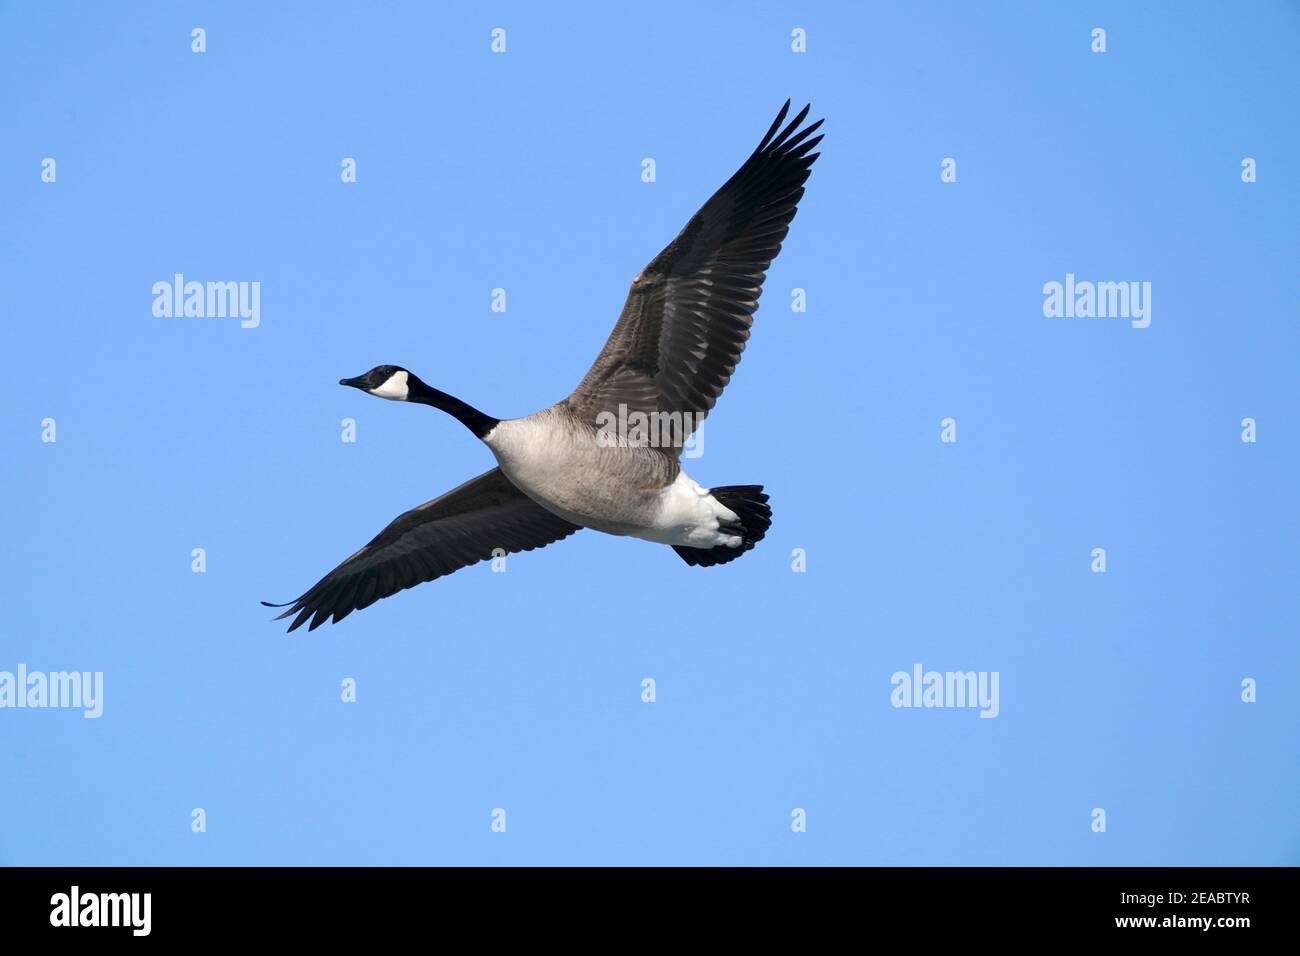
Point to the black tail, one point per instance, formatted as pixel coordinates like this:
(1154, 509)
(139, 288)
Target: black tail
(755, 517)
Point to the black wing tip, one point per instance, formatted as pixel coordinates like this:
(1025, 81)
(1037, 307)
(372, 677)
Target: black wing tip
(313, 615)
(771, 130)
(791, 136)
(295, 607)
(787, 140)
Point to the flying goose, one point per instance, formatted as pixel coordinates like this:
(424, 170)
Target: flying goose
(574, 465)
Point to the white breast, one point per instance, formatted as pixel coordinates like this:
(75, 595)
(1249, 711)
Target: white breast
(548, 463)
(534, 452)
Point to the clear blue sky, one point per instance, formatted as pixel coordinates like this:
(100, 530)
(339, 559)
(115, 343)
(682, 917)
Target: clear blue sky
(522, 690)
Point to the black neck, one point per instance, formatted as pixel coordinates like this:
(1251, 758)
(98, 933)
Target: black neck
(466, 414)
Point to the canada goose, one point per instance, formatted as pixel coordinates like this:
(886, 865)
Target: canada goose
(569, 466)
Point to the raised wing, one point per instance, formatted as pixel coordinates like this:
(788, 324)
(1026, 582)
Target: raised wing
(460, 528)
(688, 314)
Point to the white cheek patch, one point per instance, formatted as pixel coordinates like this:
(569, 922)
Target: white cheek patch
(394, 388)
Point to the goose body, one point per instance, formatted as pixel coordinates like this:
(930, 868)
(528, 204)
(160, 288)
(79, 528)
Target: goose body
(559, 462)
(673, 350)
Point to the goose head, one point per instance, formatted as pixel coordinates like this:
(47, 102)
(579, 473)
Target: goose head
(385, 381)
(397, 384)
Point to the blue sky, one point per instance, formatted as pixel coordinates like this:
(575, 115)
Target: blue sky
(522, 691)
